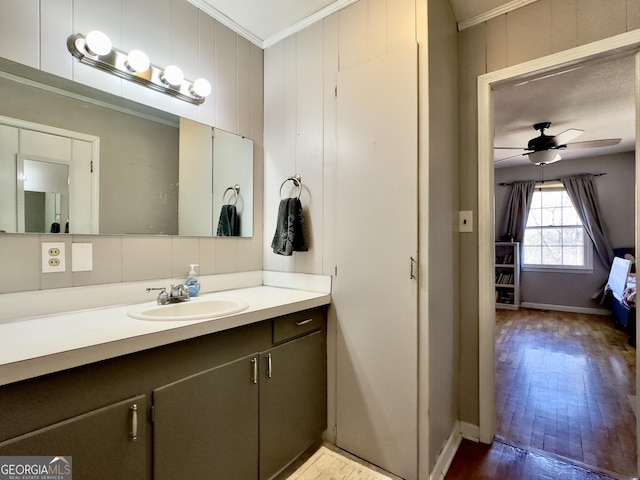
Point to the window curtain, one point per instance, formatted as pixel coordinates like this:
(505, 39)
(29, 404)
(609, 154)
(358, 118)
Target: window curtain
(515, 219)
(582, 193)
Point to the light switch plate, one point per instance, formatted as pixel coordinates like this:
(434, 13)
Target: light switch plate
(466, 221)
(81, 257)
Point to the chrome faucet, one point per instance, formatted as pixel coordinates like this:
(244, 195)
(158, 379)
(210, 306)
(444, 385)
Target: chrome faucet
(177, 293)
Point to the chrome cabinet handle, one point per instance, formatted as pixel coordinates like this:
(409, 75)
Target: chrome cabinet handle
(269, 371)
(134, 422)
(254, 370)
(304, 322)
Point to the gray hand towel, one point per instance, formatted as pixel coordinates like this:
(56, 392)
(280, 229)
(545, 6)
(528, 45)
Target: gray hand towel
(290, 233)
(229, 222)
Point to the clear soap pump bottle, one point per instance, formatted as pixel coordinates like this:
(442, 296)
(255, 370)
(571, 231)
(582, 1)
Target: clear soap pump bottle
(192, 282)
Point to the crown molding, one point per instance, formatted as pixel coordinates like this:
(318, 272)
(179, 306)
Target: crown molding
(207, 8)
(496, 12)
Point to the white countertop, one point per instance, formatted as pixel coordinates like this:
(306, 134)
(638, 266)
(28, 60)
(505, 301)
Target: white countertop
(45, 344)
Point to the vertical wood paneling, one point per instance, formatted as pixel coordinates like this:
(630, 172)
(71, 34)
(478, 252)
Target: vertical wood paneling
(244, 87)
(633, 15)
(597, 19)
(496, 29)
(473, 50)
(226, 91)
(20, 20)
(289, 128)
(401, 24)
(529, 32)
(147, 36)
(257, 129)
(206, 65)
(8, 149)
(309, 141)
(354, 28)
(330, 206)
(184, 50)
(564, 26)
(56, 26)
(377, 29)
(273, 146)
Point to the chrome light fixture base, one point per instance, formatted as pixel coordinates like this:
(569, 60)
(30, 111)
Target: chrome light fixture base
(116, 63)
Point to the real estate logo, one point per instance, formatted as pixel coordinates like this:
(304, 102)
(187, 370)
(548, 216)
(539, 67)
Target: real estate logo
(36, 468)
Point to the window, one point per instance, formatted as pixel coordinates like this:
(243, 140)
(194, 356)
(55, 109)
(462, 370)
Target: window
(554, 236)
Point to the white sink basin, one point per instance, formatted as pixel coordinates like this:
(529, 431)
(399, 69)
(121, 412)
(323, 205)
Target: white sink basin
(192, 310)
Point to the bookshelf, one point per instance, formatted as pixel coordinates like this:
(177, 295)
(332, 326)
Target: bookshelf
(507, 275)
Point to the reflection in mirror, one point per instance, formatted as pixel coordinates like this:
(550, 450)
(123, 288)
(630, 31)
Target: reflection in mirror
(138, 149)
(201, 213)
(232, 184)
(45, 196)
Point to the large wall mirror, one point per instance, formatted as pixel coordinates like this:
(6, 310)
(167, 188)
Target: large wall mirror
(128, 159)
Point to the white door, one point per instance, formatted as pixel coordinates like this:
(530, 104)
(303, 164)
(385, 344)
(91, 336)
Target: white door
(377, 237)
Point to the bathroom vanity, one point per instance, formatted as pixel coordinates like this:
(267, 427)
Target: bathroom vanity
(239, 397)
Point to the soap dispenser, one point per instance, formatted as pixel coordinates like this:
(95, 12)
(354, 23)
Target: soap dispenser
(192, 282)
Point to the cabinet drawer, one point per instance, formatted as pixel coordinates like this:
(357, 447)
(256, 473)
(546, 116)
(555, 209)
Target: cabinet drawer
(296, 324)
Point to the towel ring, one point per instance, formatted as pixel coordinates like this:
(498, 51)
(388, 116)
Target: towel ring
(235, 189)
(297, 181)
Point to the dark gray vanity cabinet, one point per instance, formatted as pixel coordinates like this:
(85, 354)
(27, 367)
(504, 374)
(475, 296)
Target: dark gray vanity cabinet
(293, 403)
(249, 418)
(238, 404)
(102, 444)
(206, 425)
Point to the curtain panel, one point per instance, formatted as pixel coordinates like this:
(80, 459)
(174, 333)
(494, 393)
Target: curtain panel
(515, 219)
(583, 195)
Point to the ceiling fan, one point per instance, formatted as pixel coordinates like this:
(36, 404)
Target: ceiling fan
(543, 149)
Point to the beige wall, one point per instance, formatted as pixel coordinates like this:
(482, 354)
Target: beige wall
(533, 31)
(34, 32)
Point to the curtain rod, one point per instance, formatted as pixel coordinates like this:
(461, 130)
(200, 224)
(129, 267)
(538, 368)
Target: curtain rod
(505, 184)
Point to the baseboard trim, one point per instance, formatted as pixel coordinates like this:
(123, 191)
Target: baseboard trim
(566, 308)
(447, 453)
(470, 431)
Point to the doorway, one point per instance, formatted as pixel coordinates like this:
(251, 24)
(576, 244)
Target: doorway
(551, 65)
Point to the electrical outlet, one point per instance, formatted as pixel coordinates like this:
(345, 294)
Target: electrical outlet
(53, 258)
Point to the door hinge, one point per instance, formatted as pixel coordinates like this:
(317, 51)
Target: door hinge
(336, 91)
(91, 166)
(335, 270)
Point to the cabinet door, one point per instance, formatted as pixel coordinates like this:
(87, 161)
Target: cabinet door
(374, 294)
(293, 401)
(206, 425)
(100, 443)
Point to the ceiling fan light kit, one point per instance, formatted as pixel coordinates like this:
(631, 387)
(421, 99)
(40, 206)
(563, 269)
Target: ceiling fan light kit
(543, 149)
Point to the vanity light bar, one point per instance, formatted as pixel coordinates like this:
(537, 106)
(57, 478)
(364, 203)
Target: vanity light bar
(95, 49)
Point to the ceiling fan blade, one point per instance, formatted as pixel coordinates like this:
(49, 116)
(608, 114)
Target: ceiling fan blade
(509, 148)
(605, 142)
(565, 137)
(509, 158)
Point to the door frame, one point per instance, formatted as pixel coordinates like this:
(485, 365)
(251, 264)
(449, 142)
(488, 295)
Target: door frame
(623, 44)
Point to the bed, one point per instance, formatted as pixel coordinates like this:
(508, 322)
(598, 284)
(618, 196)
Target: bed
(621, 296)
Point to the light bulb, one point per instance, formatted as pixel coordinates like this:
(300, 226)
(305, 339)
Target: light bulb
(201, 88)
(98, 43)
(173, 76)
(138, 61)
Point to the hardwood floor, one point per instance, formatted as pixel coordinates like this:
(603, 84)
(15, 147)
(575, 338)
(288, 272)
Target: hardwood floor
(499, 461)
(565, 387)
